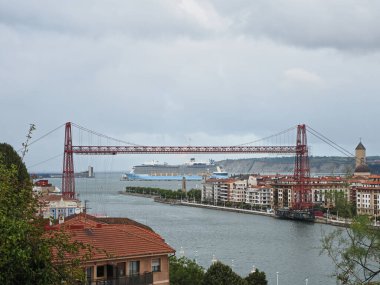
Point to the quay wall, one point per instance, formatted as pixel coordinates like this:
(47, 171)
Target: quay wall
(320, 220)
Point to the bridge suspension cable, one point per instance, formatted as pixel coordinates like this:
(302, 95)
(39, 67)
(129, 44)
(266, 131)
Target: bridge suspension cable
(269, 137)
(46, 160)
(329, 142)
(103, 136)
(43, 136)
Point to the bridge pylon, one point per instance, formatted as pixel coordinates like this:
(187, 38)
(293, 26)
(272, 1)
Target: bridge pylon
(68, 176)
(302, 191)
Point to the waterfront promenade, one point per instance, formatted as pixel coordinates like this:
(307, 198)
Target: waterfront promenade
(333, 220)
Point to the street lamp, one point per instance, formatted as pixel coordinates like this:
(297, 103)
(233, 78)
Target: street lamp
(306, 281)
(277, 277)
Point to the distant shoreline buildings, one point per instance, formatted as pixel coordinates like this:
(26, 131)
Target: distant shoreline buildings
(276, 191)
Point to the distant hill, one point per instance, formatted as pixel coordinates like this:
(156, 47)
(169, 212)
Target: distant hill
(318, 165)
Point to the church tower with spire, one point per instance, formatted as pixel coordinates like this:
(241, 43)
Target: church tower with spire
(360, 155)
(361, 167)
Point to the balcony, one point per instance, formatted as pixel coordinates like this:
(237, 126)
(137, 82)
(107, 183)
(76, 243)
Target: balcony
(141, 279)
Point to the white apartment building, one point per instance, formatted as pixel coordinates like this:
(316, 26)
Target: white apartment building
(259, 196)
(219, 190)
(238, 191)
(368, 197)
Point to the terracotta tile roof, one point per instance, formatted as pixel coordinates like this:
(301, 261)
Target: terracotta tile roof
(51, 198)
(361, 188)
(74, 219)
(111, 241)
(120, 241)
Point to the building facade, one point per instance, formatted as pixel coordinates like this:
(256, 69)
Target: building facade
(122, 251)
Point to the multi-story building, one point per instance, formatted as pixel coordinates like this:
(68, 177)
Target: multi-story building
(219, 190)
(238, 191)
(367, 194)
(326, 189)
(282, 194)
(260, 196)
(59, 207)
(123, 251)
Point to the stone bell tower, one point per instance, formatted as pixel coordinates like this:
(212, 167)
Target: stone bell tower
(360, 155)
(361, 167)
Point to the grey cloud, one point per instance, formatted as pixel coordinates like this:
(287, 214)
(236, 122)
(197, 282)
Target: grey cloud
(144, 20)
(137, 72)
(346, 25)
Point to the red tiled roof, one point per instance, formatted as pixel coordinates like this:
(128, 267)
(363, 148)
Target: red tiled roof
(114, 240)
(82, 217)
(50, 198)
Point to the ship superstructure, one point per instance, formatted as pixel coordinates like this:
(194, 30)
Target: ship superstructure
(192, 170)
(192, 167)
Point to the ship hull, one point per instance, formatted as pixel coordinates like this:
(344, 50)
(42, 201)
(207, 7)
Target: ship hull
(142, 177)
(298, 215)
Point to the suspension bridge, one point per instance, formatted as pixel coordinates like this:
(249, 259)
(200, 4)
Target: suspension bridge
(300, 149)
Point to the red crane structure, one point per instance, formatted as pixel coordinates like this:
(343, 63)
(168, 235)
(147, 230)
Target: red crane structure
(302, 195)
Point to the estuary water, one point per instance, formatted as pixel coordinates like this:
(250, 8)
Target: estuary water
(239, 240)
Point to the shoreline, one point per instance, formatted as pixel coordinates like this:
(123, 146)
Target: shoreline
(157, 199)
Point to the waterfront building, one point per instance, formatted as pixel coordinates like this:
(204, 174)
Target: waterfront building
(219, 190)
(323, 190)
(43, 187)
(58, 207)
(260, 196)
(367, 195)
(326, 188)
(237, 191)
(282, 194)
(52, 204)
(124, 251)
(208, 193)
(276, 191)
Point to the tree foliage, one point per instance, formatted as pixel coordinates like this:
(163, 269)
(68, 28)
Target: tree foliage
(165, 193)
(355, 252)
(184, 271)
(10, 159)
(194, 194)
(221, 274)
(342, 206)
(256, 278)
(26, 250)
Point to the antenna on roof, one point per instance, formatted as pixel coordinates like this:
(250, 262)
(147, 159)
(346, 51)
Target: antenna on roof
(85, 210)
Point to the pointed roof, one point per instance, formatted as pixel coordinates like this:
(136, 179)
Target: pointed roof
(360, 146)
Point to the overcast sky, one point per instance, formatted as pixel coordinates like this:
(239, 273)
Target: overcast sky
(188, 72)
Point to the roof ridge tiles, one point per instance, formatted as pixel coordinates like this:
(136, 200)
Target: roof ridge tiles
(161, 242)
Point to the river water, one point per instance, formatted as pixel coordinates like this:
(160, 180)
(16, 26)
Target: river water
(239, 240)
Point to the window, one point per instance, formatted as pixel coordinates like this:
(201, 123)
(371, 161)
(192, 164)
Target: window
(134, 267)
(156, 265)
(120, 269)
(100, 271)
(89, 274)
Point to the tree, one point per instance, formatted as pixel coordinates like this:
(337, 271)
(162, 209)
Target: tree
(184, 271)
(355, 252)
(256, 278)
(342, 206)
(10, 157)
(195, 194)
(221, 274)
(26, 250)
